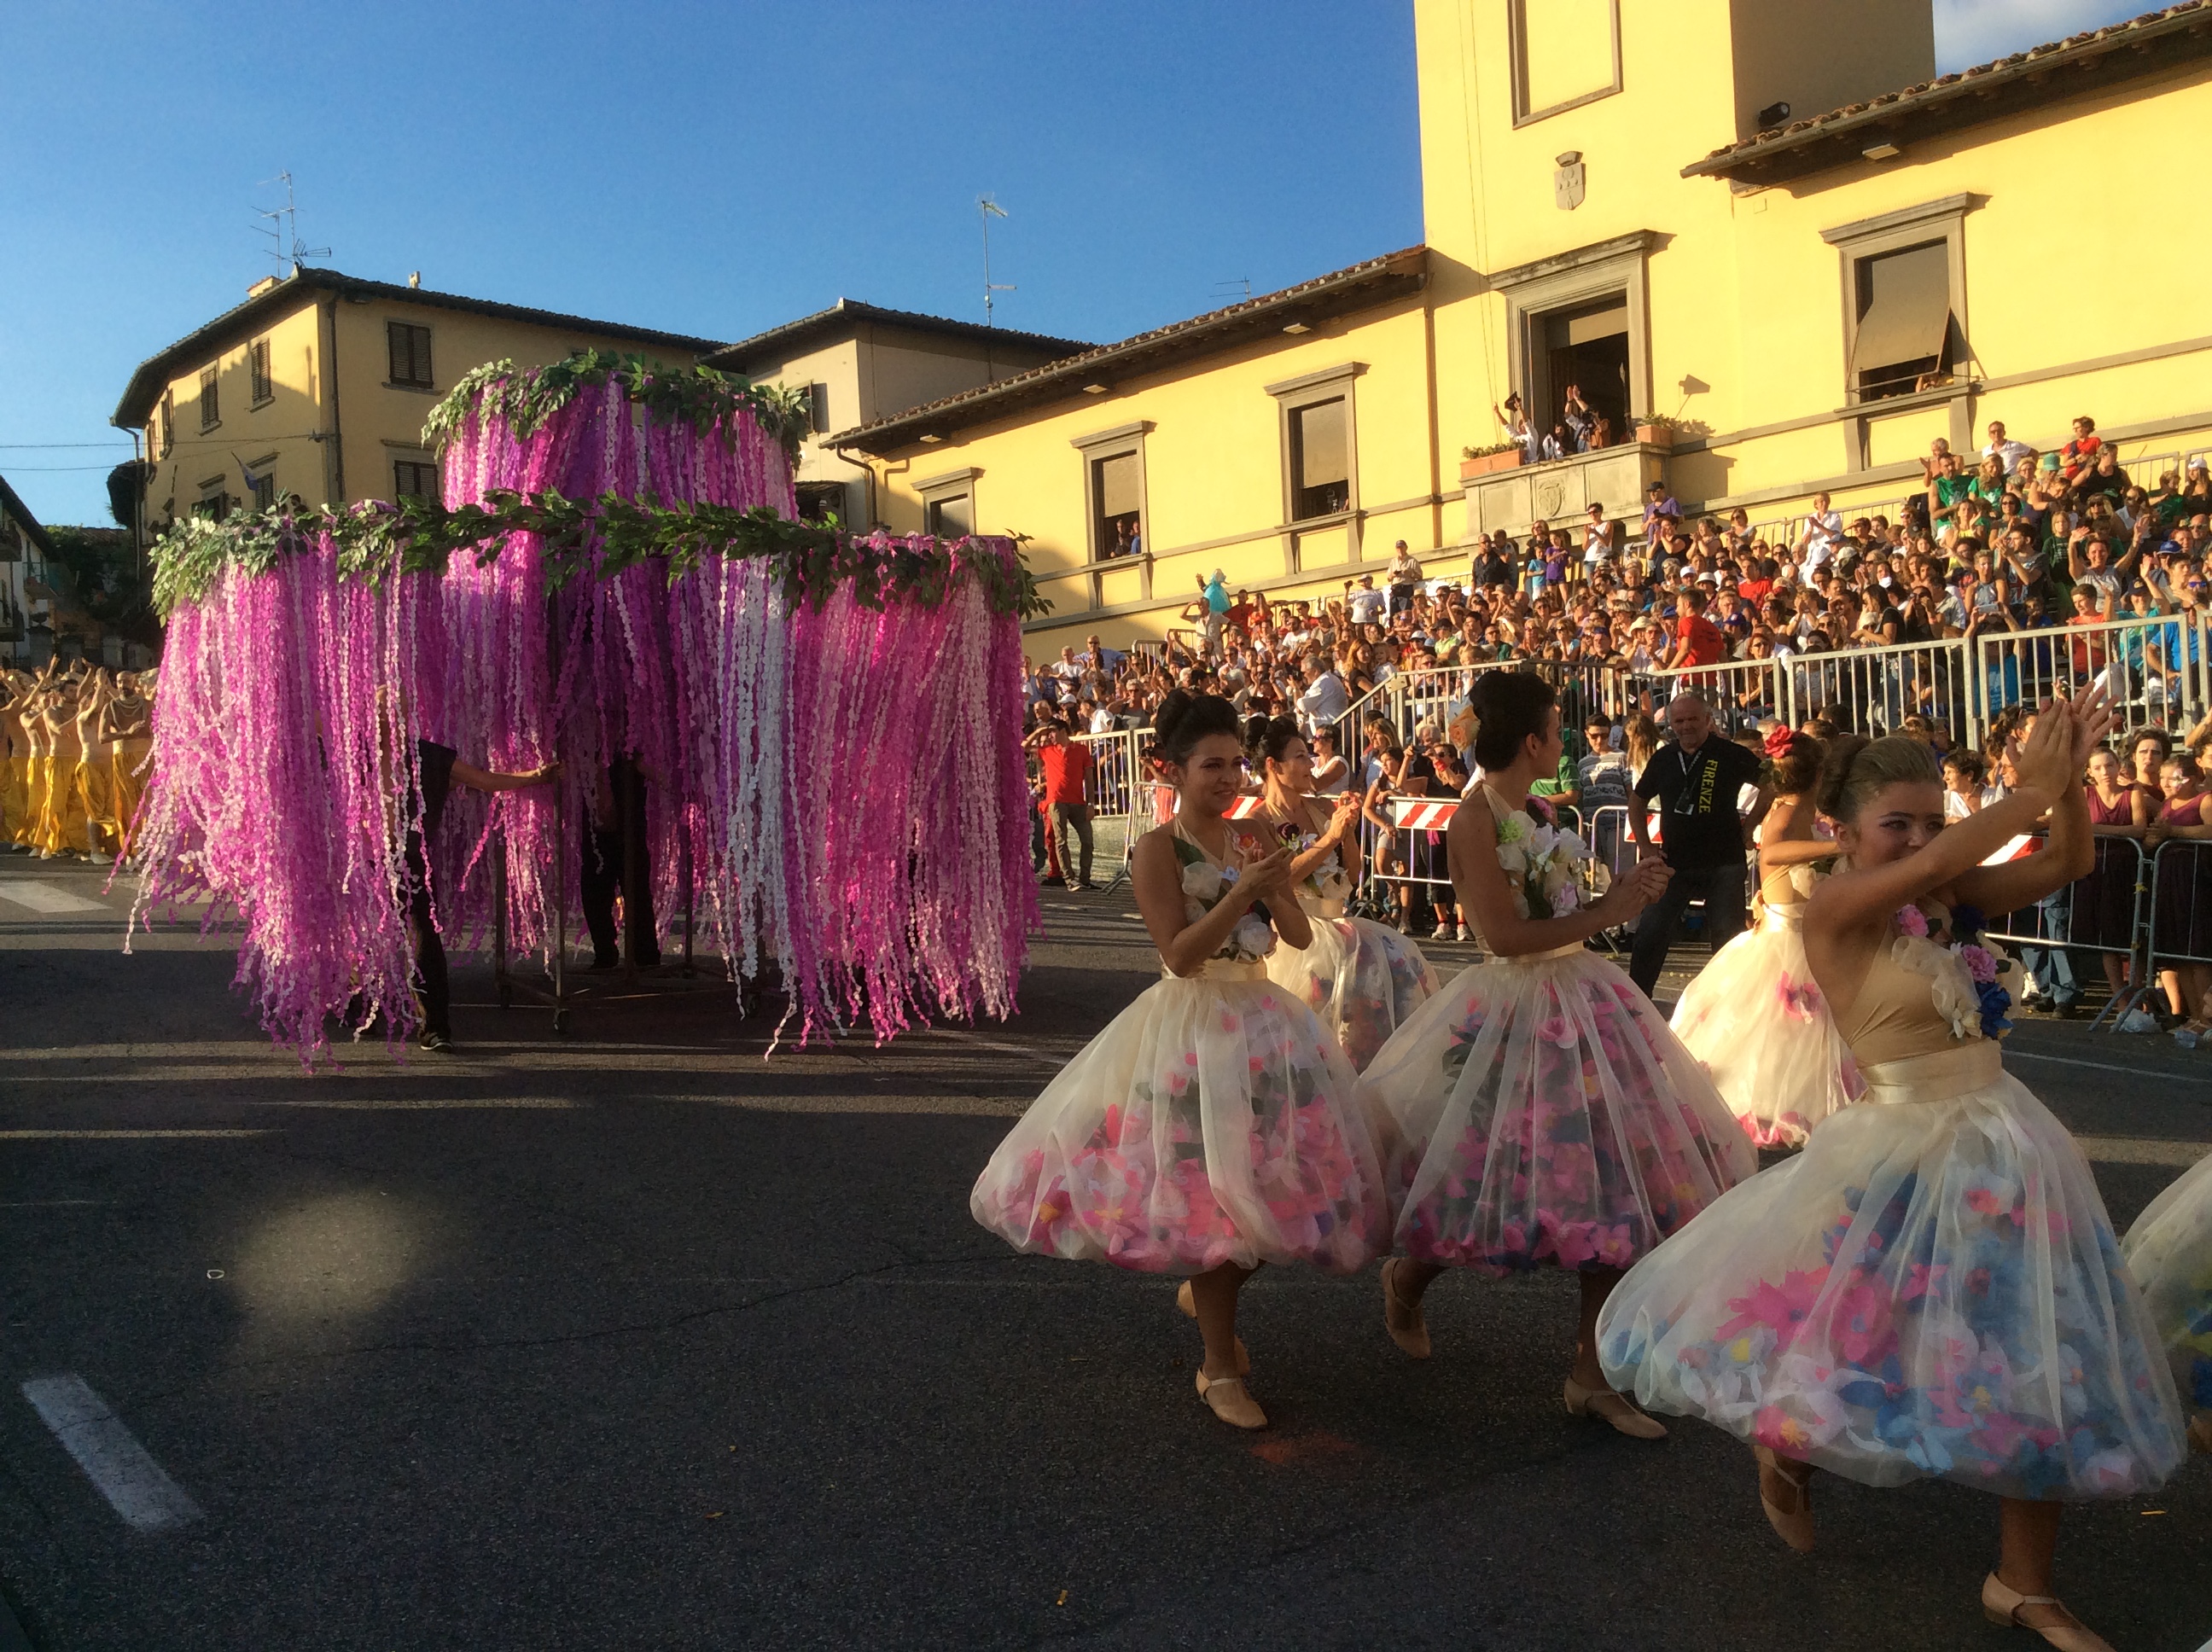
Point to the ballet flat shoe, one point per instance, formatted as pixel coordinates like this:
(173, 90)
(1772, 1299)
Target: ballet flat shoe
(1402, 1318)
(1189, 1303)
(1615, 1409)
(1231, 1401)
(2001, 1604)
(2200, 1430)
(1793, 1524)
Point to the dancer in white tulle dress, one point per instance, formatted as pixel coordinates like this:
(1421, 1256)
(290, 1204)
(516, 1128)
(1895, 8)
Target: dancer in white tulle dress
(1215, 1124)
(1363, 979)
(1548, 1117)
(2169, 1250)
(1753, 1014)
(1931, 1288)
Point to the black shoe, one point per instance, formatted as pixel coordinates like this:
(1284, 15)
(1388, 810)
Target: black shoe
(2067, 1011)
(435, 1040)
(604, 961)
(1088, 888)
(650, 960)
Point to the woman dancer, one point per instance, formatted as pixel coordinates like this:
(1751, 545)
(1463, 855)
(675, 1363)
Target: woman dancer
(1362, 979)
(2169, 1251)
(1549, 1117)
(1753, 1015)
(1214, 1125)
(1932, 1286)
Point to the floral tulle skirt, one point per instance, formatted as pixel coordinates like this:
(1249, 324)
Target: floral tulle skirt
(1755, 1019)
(1546, 1117)
(1931, 1290)
(1213, 1121)
(1362, 978)
(2169, 1251)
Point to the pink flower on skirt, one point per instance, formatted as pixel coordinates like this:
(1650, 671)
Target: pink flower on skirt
(1911, 920)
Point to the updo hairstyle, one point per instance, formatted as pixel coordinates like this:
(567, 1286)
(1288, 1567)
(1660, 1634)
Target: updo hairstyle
(1797, 770)
(1266, 738)
(1857, 769)
(1184, 719)
(1508, 707)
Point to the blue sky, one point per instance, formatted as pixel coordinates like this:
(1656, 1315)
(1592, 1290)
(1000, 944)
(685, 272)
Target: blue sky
(707, 168)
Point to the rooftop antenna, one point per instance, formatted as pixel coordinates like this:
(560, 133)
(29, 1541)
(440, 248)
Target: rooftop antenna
(1236, 287)
(287, 218)
(986, 208)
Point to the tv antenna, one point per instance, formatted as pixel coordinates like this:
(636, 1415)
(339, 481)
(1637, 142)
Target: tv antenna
(1236, 287)
(986, 208)
(287, 219)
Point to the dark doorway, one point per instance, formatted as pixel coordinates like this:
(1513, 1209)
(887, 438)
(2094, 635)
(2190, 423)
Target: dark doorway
(1588, 347)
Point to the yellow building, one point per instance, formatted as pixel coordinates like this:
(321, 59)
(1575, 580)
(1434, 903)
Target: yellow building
(1766, 221)
(318, 384)
(860, 362)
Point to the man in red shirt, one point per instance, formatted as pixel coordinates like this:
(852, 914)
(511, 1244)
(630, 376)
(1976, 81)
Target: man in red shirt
(1067, 766)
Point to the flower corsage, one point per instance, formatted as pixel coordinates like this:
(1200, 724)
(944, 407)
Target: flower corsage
(1547, 862)
(1204, 887)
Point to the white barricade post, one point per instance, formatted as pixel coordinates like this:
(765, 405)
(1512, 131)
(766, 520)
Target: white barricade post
(2155, 666)
(1115, 776)
(1874, 690)
(2105, 914)
(1742, 690)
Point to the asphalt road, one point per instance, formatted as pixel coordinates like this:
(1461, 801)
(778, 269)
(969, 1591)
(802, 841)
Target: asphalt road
(632, 1339)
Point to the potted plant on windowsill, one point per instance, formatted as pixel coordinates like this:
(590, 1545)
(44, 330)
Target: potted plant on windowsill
(1655, 429)
(1482, 461)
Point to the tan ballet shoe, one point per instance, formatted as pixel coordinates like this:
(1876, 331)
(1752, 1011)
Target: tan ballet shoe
(1231, 1401)
(2200, 1430)
(1792, 1520)
(1189, 1303)
(2002, 1604)
(1402, 1318)
(1614, 1409)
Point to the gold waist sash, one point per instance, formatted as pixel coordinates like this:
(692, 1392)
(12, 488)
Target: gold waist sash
(1315, 906)
(1782, 916)
(1221, 969)
(1937, 1077)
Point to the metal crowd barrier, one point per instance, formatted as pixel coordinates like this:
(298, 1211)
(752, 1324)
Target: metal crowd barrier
(2158, 668)
(2181, 877)
(2091, 915)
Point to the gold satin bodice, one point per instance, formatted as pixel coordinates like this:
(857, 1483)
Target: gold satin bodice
(1918, 1000)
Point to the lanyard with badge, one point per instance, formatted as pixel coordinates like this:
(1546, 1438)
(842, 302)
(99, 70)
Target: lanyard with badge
(1687, 803)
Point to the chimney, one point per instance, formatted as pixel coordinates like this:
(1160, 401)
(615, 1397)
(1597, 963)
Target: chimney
(414, 278)
(261, 287)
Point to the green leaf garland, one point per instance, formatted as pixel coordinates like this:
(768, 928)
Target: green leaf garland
(525, 398)
(596, 539)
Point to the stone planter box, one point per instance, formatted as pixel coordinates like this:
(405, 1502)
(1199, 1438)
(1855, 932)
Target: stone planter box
(1660, 436)
(1489, 464)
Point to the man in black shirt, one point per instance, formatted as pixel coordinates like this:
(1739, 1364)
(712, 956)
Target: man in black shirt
(440, 767)
(1697, 782)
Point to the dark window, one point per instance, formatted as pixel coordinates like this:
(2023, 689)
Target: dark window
(1904, 333)
(168, 421)
(259, 356)
(1321, 469)
(411, 354)
(817, 407)
(953, 517)
(1114, 495)
(211, 405)
(214, 506)
(265, 490)
(821, 501)
(413, 479)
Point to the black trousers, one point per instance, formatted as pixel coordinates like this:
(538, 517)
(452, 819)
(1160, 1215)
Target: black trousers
(432, 984)
(1722, 888)
(602, 874)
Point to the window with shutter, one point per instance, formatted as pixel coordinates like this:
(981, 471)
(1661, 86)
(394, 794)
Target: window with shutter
(211, 405)
(1321, 460)
(257, 356)
(414, 479)
(1903, 333)
(411, 354)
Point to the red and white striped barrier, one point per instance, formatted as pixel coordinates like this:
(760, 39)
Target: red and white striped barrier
(1423, 814)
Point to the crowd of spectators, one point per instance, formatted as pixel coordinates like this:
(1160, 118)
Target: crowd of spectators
(2006, 541)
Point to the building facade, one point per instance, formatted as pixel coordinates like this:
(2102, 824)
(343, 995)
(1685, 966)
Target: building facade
(318, 384)
(860, 364)
(26, 635)
(1763, 231)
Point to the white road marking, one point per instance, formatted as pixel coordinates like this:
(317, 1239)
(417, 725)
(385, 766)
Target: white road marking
(2142, 1150)
(2104, 1066)
(126, 1135)
(44, 898)
(134, 1484)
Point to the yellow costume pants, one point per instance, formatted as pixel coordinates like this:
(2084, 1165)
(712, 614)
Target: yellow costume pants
(65, 816)
(16, 801)
(129, 787)
(37, 805)
(95, 797)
